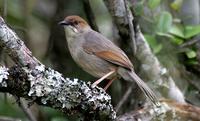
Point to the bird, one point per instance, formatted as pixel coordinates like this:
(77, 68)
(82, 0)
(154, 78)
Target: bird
(99, 56)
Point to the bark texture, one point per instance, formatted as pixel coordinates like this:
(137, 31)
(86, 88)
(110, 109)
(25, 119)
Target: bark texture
(32, 80)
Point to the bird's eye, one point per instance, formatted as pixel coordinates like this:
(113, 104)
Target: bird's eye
(76, 22)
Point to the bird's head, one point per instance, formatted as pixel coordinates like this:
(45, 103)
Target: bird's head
(74, 24)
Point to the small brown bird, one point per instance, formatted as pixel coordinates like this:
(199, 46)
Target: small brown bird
(98, 56)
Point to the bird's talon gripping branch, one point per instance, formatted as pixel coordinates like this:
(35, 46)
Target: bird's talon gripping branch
(102, 78)
(109, 83)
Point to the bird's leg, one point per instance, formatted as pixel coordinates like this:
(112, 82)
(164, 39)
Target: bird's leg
(109, 83)
(102, 78)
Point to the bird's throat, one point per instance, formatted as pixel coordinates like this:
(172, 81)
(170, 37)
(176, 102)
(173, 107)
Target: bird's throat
(70, 31)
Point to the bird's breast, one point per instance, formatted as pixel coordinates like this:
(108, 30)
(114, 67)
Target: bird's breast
(88, 62)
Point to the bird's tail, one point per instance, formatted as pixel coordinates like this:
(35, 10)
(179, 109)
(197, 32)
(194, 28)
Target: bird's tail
(132, 76)
(145, 88)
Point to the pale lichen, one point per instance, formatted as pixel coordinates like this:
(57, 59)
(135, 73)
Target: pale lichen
(67, 93)
(3, 76)
(163, 71)
(48, 87)
(161, 111)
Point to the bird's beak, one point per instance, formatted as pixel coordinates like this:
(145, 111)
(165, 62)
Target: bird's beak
(63, 23)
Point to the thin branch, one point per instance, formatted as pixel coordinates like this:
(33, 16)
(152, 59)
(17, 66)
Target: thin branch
(27, 110)
(3, 118)
(5, 5)
(150, 64)
(171, 111)
(190, 42)
(32, 80)
(90, 15)
(124, 98)
(131, 27)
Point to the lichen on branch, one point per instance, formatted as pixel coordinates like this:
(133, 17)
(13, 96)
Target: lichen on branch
(30, 79)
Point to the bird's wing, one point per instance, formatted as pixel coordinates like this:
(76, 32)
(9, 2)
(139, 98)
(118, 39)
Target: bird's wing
(100, 46)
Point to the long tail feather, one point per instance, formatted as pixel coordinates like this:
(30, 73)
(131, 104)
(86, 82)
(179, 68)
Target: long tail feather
(145, 88)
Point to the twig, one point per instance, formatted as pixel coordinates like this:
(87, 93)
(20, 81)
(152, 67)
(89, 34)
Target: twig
(3, 118)
(171, 111)
(27, 110)
(131, 27)
(124, 98)
(150, 64)
(90, 15)
(189, 43)
(5, 9)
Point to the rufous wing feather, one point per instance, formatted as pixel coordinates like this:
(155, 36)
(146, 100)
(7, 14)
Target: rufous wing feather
(114, 58)
(103, 48)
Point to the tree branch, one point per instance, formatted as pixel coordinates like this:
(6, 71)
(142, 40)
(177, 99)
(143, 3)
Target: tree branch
(131, 27)
(90, 14)
(150, 64)
(32, 80)
(171, 111)
(2, 118)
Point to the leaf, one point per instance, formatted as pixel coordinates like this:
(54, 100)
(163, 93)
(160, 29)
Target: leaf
(153, 3)
(191, 31)
(165, 34)
(164, 22)
(192, 62)
(151, 40)
(157, 48)
(185, 32)
(172, 38)
(191, 54)
(153, 43)
(176, 5)
(177, 31)
(177, 40)
(139, 7)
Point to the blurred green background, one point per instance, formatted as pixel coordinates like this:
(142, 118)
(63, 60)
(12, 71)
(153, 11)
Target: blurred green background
(171, 27)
